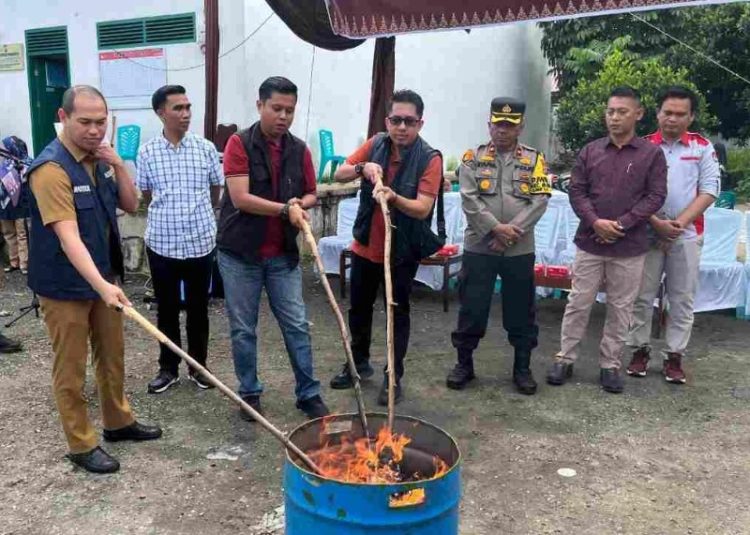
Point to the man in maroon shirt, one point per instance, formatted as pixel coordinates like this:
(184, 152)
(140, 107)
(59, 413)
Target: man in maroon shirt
(618, 182)
(270, 182)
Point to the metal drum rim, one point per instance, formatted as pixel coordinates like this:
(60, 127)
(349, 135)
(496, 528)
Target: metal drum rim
(355, 415)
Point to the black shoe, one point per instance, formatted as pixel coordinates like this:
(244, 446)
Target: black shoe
(135, 431)
(383, 394)
(560, 372)
(199, 380)
(8, 345)
(344, 380)
(611, 380)
(525, 383)
(313, 407)
(254, 402)
(162, 381)
(460, 376)
(97, 461)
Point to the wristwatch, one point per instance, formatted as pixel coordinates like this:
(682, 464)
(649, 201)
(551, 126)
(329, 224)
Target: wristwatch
(284, 214)
(359, 168)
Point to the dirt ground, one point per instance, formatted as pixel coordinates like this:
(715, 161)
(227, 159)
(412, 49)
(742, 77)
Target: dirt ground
(659, 459)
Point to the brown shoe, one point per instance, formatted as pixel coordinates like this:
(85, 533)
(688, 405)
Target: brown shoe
(639, 363)
(673, 369)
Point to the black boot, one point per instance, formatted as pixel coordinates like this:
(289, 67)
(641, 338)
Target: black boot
(462, 373)
(522, 377)
(343, 379)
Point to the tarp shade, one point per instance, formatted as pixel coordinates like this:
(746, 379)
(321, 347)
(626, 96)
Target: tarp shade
(309, 21)
(372, 18)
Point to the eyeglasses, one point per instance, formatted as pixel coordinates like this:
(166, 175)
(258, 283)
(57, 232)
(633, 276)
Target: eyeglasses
(396, 120)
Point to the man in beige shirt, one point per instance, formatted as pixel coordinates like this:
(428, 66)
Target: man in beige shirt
(75, 259)
(504, 191)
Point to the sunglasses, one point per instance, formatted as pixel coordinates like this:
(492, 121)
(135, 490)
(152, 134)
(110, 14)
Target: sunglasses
(396, 120)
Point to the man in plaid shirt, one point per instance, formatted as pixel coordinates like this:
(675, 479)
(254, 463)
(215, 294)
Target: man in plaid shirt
(181, 179)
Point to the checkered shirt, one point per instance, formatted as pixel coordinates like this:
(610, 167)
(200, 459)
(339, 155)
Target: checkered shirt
(181, 222)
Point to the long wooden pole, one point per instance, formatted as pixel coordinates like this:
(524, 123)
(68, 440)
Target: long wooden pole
(342, 325)
(389, 307)
(156, 333)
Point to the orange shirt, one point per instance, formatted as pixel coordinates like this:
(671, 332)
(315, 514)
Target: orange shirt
(429, 184)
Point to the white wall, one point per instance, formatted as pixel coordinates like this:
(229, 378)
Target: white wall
(456, 73)
(15, 113)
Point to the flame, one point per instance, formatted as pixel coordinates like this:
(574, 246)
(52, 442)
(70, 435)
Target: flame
(368, 461)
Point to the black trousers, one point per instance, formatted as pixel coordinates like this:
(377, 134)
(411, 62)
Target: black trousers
(475, 285)
(167, 273)
(366, 279)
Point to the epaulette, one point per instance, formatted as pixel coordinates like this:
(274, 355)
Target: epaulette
(468, 156)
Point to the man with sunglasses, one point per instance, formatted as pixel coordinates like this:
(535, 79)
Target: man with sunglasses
(504, 192)
(412, 174)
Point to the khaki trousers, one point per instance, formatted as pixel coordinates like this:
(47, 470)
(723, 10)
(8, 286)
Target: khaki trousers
(15, 236)
(71, 326)
(680, 265)
(622, 280)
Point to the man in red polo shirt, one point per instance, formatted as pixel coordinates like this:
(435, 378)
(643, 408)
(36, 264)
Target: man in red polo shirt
(270, 181)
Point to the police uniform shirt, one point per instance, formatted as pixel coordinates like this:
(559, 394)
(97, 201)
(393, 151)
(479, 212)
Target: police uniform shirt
(514, 190)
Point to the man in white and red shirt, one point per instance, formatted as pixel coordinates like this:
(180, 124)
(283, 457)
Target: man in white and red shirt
(693, 185)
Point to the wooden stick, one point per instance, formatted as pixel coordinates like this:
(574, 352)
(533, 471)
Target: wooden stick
(389, 307)
(156, 333)
(342, 325)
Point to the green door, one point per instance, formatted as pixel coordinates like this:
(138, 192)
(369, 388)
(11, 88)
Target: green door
(49, 77)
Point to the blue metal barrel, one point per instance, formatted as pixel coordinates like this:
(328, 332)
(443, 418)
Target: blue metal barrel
(321, 506)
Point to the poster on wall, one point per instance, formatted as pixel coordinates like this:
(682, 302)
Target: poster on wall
(129, 77)
(11, 57)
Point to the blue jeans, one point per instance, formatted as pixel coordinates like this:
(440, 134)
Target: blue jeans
(243, 282)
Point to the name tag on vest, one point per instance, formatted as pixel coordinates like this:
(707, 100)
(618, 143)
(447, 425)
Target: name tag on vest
(110, 173)
(82, 189)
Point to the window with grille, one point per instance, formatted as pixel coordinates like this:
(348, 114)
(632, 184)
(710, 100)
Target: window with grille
(164, 30)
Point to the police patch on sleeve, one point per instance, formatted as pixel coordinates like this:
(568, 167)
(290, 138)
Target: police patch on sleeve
(468, 156)
(539, 182)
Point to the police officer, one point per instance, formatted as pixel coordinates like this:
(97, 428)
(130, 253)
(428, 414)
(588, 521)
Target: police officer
(504, 192)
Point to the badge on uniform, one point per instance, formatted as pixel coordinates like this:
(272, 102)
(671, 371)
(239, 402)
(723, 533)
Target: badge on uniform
(468, 156)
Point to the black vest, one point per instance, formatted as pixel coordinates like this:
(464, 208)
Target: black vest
(51, 274)
(241, 233)
(413, 239)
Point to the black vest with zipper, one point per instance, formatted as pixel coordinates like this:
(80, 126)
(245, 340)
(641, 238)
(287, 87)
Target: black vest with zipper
(240, 233)
(413, 239)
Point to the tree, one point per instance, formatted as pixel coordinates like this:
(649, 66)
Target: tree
(580, 113)
(720, 32)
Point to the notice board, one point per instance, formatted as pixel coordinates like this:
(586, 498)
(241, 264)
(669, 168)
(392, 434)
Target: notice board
(11, 57)
(129, 77)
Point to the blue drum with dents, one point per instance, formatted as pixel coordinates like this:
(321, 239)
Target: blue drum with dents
(424, 503)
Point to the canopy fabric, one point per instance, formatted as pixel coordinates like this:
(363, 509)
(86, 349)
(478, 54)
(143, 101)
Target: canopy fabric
(383, 81)
(373, 18)
(309, 21)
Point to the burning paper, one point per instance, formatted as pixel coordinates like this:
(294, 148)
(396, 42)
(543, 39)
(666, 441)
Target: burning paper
(370, 461)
